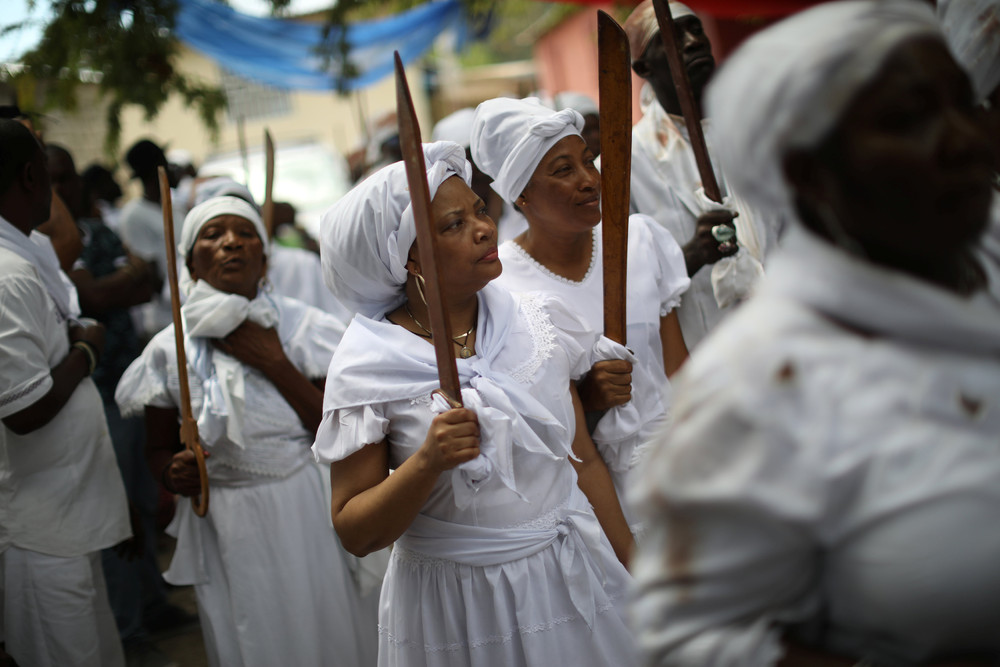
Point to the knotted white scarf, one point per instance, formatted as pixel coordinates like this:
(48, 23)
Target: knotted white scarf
(207, 314)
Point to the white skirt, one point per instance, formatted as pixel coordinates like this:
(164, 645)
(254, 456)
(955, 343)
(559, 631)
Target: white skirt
(436, 612)
(271, 578)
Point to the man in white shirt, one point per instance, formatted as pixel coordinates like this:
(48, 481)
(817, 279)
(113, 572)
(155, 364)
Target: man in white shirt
(666, 181)
(61, 496)
(141, 230)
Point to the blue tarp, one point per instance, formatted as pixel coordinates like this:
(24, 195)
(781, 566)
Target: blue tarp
(282, 53)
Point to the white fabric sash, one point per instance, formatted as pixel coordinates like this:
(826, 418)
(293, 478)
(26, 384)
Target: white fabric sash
(37, 249)
(209, 313)
(577, 533)
(622, 429)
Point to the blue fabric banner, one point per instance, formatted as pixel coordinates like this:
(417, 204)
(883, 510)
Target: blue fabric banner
(282, 53)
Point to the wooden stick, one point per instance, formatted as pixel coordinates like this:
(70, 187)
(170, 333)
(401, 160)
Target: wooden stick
(416, 176)
(615, 85)
(189, 427)
(268, 209)
(685, 95)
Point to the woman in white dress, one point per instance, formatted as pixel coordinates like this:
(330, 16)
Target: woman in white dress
(499, 559)
(272, 581)
(540, 162)
(828, 492)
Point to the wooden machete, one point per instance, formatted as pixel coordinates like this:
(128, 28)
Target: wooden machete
(685, 96)
(615, 86)
(189, 427)
(416, 176)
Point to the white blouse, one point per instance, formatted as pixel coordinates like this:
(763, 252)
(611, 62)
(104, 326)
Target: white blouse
(379, 388)
(276, 443)
(833, 470)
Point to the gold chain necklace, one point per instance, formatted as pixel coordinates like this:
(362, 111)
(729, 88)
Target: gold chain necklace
(465, 352)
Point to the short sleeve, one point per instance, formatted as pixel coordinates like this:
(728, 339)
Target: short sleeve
(731, 508)
(571, 334)
(345, 431)
(145, 381)
(24, 365)
(667, 261)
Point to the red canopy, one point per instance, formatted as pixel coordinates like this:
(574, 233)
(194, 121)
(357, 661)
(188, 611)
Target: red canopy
(726, 8)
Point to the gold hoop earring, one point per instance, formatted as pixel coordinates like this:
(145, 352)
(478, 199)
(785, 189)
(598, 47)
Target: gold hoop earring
(420, 287)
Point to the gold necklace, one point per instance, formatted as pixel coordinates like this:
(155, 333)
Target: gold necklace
(465, 352)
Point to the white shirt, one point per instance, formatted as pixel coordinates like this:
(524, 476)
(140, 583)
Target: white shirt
(817, 475)
(60, 489)
(141, 225)
(665, 180)
(298, 273)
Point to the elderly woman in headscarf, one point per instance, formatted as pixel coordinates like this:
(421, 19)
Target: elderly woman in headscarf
(828, 492)
(540, 162)
(499, 556)
(271, 578)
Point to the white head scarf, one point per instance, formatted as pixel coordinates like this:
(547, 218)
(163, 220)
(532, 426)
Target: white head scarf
(972, 30)
(787, 86)
(221, 186)
(456, 127)
(366, 237)
(578, 101)
(510, 137)
(641, 25)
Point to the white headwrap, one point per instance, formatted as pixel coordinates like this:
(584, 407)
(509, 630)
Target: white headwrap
(578, 101)
(209, 313)
(221, 186)
(208, 210)
(510, 137)
(456, 127)
(787, 86)
(641, 25)
(366, 237)
(972, 30)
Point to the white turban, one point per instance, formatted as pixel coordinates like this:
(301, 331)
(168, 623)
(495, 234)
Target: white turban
(455, 127)
(366, 236)
(641, 25)
(510, 137)
(787, 86)
(201, 214)
(578, 101)
(972, 30)
(221, 186)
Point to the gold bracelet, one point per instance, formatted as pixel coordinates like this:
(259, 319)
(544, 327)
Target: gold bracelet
(91, 353)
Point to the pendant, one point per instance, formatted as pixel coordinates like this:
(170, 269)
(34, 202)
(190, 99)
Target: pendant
(465, 352)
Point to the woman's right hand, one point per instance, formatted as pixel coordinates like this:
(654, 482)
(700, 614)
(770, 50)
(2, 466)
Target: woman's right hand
(452, 439)
(607, 385)
(181, 475)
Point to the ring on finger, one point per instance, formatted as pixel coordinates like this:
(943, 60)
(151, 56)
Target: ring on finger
(723, 233)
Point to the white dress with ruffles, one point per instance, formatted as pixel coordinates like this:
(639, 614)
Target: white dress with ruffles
(272, 580)
(506, 563)
(657, 279)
